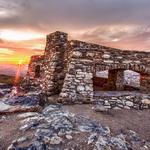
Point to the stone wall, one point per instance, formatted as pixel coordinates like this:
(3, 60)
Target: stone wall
(138, 102)
(99, 58)
(31, 78)
(54, 63)
(68, 67)
(78, 85)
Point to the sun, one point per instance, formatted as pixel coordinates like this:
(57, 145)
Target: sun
(20, 61)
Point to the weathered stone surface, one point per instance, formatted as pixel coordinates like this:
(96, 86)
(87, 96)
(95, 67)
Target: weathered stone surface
(19, 102)
(136, 101)
(98, 108)
(28, 100)
(77, 54)
(55, 140)
(106, 56)
(8, 109)
(80, 88)
(129, 104)
(55, 128)
(28, 114)
(146, 101)
(69, 67)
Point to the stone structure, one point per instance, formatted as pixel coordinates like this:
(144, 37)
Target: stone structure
(127, 101)
(67, 67)
(34, 70)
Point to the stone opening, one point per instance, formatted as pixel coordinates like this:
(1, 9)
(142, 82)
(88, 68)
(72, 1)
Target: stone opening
(37, 71)
(131, 80)
(116, 80)
(100, 81)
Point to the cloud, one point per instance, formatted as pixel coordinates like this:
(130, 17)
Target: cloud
(13, 51)
(79, 14)
(122, 24)
(123, 37)
(1, 41)
(19, 36)
(6, 51)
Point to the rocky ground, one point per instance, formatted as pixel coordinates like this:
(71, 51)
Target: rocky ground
(76, 127)
(27, 124)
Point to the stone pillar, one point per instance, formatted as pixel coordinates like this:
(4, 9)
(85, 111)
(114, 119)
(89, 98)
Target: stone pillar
(78, 84)
(145, 82)
(31, 79)
(53, 65)
(112, 75)
(120, 80)
(116, 80)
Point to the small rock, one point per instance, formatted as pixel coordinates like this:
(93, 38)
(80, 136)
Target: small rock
(92, 138)
(51, 108)
(22, 140)
(116, 108)
(11, 147)
(119, 142)
(28, 114)
(77, 54)
(101, 143)
(100, 108)
(106, 56)
(80, 88)
(3, 118)
(130, 104)
(69, 137)
(126, 107)
(146, 101)
(55, 140)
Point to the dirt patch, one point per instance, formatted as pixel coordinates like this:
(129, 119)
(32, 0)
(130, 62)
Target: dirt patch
(9, 130)
(117, 120)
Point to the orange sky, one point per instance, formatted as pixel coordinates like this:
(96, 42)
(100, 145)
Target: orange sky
(21, 47)
(25, 23)
(18, 48)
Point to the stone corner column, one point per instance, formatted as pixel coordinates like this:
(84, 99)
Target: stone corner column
(53, 64)
(78, 84)
(120, 80)
(116, 80)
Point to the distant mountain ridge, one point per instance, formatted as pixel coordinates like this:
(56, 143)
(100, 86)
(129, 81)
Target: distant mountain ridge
(10, 69)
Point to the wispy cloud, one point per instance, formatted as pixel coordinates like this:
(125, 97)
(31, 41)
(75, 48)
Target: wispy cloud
(6, 51)
(19, 35)
(1, 41)
(79, 14)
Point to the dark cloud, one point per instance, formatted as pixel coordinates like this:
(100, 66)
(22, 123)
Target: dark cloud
(76, 14)
(126, 38)
(97, 20)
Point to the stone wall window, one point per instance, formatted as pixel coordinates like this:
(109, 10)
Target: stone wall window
(100, 80)
(131, 79)
(37, 71)
(116, 80)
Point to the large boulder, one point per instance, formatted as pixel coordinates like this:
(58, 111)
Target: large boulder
(30, 100)
(23, 103)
